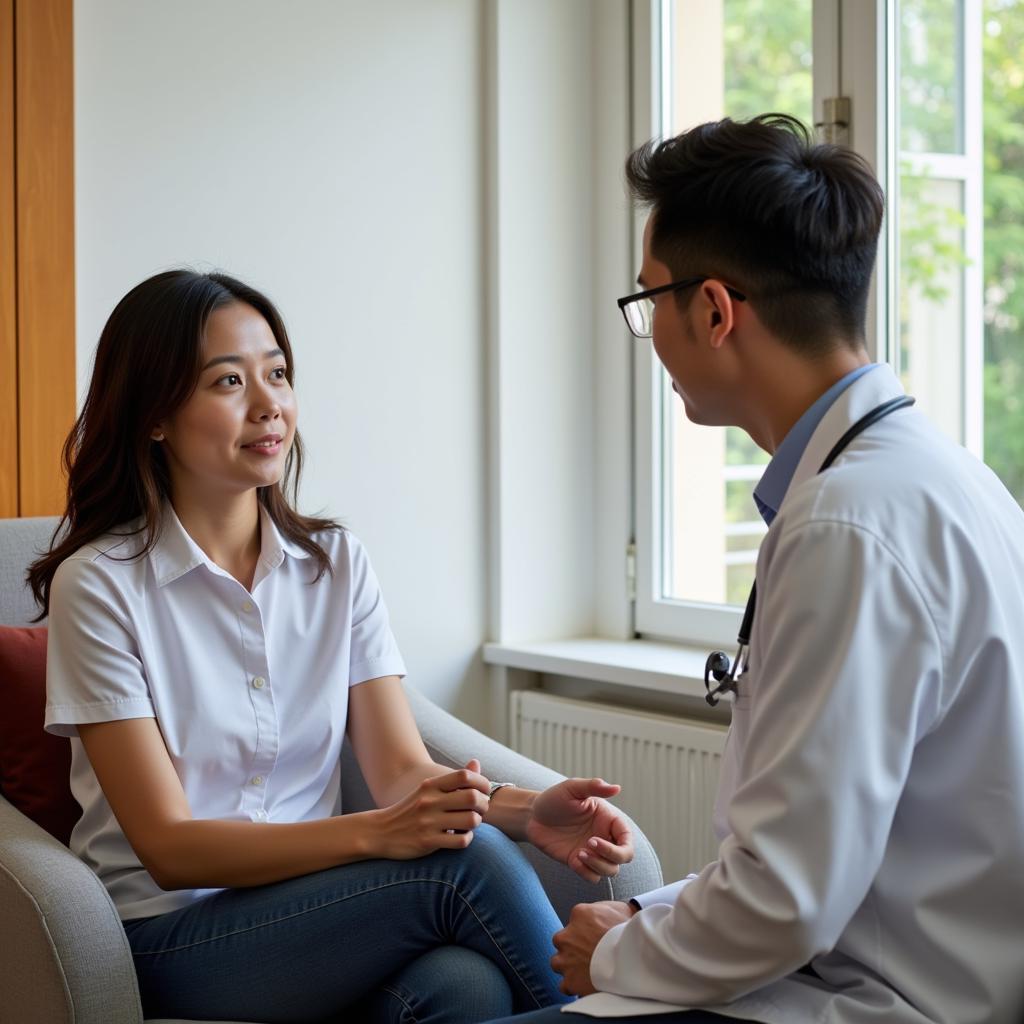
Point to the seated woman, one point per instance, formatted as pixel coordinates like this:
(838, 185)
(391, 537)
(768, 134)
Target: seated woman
(210, 650)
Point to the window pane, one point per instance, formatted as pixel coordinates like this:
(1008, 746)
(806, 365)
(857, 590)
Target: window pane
(934, 335)
(1002, 44)
(940, 167)
(931, 93)
(961, 344)
(931, 297)
(728, 58)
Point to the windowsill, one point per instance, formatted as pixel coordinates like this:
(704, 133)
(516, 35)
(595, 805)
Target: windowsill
(648, 664)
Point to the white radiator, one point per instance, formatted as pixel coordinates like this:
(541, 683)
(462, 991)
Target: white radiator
(668, 767)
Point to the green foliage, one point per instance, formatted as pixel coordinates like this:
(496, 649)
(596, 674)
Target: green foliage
(930, 229)
(741, 451)
(1004, 422)
(768, 58)
(1003, 77)
(930, 239)
(929, 82)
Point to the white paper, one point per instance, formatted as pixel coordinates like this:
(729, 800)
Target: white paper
(607, 1004)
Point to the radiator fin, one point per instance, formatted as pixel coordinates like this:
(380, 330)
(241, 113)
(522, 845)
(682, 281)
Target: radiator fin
(668, 767)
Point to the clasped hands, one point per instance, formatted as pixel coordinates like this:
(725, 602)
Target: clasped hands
(571, 822)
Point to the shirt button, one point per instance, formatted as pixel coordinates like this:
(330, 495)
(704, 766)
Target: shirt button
(259, 682)
(257, 780)
(248, 606)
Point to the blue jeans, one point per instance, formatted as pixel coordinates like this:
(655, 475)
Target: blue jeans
(454, 937)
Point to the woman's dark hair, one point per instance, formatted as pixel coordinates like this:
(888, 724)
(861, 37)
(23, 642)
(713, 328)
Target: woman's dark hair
(792, 223)
(147, 365)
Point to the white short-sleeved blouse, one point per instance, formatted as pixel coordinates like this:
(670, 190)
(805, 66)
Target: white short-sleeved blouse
(250, 690)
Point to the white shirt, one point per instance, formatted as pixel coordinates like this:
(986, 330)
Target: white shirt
(871, 809)
(250, 690)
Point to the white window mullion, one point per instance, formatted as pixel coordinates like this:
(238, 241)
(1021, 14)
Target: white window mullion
(945, 337)
(867, 52)
(974, 217)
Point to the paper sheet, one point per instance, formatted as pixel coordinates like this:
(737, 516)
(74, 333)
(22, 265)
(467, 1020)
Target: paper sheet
(606, 1004)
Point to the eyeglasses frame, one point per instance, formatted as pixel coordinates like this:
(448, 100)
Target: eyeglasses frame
(686, 282)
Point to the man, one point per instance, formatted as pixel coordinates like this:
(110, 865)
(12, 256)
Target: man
(871, 808)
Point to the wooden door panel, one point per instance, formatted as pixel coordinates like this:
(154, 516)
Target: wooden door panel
(44, 161)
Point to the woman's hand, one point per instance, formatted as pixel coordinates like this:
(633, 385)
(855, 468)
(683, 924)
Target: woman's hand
(571, 823)
(440, 813)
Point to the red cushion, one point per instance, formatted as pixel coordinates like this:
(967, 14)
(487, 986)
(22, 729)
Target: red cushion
(35, 767)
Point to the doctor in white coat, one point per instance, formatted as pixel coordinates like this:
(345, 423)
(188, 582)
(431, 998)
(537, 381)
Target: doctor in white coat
(871, 809)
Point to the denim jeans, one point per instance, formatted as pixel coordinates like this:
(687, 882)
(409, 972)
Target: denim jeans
(453, 937)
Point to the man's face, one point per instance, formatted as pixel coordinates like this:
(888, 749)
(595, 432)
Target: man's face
(675, 340)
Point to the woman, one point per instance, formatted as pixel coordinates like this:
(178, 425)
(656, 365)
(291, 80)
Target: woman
(209, 650)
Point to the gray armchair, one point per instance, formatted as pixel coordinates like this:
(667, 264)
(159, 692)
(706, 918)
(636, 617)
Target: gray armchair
(63, 955)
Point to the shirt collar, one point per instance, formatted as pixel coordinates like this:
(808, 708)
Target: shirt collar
(273, 544)
(778, 475)
(176, 553)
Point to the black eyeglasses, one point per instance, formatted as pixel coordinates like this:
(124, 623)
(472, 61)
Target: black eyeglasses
(638, 310)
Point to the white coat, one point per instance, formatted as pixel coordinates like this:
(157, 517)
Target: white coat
(871, 809)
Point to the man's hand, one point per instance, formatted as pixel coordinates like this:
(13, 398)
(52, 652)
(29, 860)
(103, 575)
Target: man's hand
(576, 942)
(572, 824)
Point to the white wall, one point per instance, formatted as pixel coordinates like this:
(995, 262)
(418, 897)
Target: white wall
(431, 191)
(559, 231)
(541, 329)
(331, 153)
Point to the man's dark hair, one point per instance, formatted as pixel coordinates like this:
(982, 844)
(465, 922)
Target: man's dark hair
(791, 223)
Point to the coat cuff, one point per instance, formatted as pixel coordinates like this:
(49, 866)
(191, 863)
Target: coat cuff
(666, 894)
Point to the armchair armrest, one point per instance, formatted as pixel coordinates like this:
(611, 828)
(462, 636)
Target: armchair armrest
(452, 742)
(64, 956)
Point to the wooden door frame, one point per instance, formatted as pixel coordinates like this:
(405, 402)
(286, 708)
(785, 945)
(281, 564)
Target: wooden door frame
(8, 276)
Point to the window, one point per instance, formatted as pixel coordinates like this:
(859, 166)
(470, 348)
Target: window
(937, 91)
(939, 344)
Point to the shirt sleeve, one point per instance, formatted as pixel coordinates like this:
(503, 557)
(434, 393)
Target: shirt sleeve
(374, 651)
(93, 671)
(849, 678)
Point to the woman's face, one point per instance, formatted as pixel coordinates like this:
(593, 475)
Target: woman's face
(235, 430)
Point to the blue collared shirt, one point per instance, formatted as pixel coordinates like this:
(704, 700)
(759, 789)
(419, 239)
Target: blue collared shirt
(774, 483)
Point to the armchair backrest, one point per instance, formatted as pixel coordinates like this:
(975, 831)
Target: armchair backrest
(21, 542)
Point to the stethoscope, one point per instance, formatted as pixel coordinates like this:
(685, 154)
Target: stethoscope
(717, 666)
